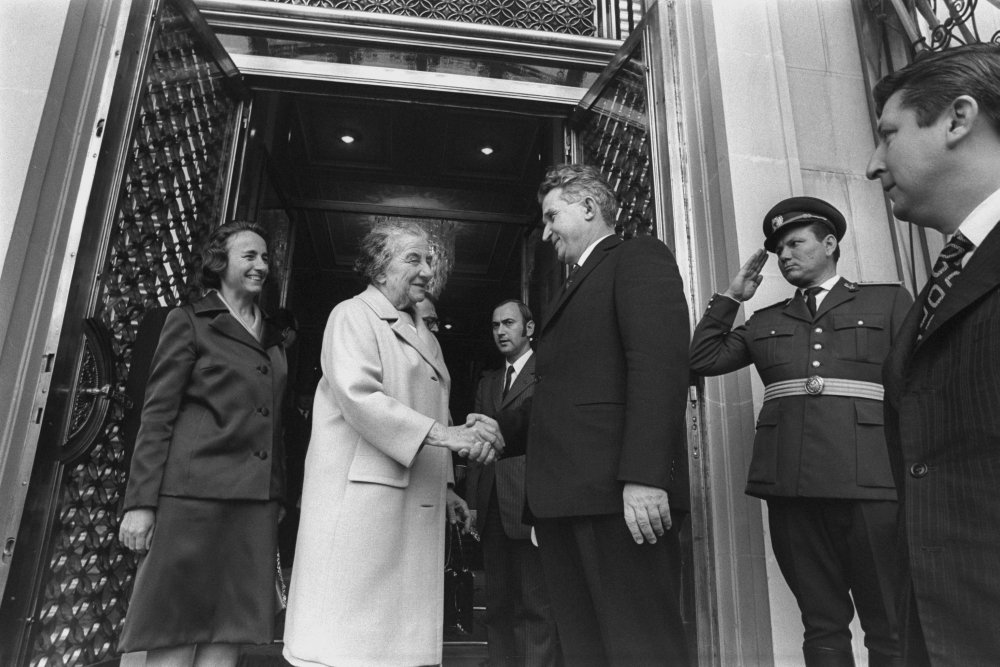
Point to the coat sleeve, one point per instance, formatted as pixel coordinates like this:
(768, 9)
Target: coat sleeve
(169, 375)
(716, 347)
(353, 363)
(652, 318)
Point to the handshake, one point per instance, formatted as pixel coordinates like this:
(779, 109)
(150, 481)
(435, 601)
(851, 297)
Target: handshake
(479, 439)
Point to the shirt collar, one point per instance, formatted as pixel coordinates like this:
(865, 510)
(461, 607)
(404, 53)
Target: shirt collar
(978, 224)
(590, 249)
(827, 285)
(520, 362)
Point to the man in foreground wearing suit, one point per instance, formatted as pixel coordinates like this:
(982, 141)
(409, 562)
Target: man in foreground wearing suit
(819, 455)
(938, 159)
(519, 621)
(606, 453)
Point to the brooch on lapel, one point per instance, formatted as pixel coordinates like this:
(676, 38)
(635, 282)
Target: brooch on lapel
(851, 287)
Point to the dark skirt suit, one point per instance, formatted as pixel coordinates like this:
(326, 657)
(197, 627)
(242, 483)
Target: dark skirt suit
(209, 460)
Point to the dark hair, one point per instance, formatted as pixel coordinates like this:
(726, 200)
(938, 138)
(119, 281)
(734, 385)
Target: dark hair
(933, 80)
(521, 306)
(215, 254)
(578, 181)
(376, 249)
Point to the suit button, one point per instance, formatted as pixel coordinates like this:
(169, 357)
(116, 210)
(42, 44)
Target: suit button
(816, 364)
(918, 470)
(434, 377)
(818, 329)
(262, 455)
(263, 411)
(262, 370)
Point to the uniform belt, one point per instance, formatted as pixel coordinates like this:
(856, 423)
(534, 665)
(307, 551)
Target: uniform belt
(819, 386)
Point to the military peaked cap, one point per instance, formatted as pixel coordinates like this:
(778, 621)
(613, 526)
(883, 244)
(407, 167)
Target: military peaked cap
(796, 211)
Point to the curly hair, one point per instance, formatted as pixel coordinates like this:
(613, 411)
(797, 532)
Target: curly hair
(377, 246)
(578, 181)
(215, 254)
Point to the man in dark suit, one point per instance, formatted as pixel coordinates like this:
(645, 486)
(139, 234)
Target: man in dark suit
(606, 453)
(519, 620)
(938, 159)
(820, 458)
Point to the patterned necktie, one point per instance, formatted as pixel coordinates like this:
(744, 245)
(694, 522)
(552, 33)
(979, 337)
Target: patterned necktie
(810, 294)
(947, 267)
(507, 381)
(569, 278)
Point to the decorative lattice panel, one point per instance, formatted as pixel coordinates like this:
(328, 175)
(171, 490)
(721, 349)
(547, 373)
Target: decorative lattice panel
(614, 137)
(572, 17)
(167, 202)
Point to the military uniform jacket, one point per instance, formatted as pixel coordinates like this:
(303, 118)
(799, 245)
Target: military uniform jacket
(817, 446)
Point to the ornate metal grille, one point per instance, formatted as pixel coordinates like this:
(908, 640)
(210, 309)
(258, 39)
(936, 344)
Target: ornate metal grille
(167, 201)
(573, 17)
(615, 138)
(948, 22)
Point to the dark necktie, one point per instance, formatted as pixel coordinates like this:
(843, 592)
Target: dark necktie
(571, 276)
(810, 293)
(947, 267)
(507, 381)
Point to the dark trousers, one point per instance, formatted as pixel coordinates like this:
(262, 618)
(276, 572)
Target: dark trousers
(519, 622)
(830, 550)
(615, 602)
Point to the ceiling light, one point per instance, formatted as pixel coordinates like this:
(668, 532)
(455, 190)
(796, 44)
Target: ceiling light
(486, 150)
(448, 325)
(347, 139)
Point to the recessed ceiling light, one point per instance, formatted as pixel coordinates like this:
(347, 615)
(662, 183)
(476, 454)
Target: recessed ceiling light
(347, 139)
(448, 325)
(486, 150)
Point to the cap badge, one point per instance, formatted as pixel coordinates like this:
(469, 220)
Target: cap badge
(777, 221)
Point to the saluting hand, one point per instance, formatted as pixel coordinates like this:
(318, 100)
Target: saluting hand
(746, 282)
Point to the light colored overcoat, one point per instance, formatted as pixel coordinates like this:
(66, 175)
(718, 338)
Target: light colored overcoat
(367, 584)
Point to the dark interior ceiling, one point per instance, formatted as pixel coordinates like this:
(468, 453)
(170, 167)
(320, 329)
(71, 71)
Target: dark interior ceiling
(410, 160)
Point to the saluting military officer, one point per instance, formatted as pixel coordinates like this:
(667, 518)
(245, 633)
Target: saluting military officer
(819, 458)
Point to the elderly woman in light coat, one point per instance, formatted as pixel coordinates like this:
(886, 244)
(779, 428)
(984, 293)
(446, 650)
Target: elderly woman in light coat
(367, 584)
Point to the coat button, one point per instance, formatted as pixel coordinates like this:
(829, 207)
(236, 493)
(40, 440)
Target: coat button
(262, 370)
(818, 329)
(818, 346)
(861, 323)
(263, 411)
(816, 364)
(918, 470)
(434, 377)
(262, 455)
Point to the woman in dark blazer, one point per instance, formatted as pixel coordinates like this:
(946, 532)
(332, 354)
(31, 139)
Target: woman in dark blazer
(207, 474)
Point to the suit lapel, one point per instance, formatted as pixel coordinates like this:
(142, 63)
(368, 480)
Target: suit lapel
(838, 295)
(596, 257)
(981, 275)
(403, 328)
(224, 322)
(524, 379)
(796, 308)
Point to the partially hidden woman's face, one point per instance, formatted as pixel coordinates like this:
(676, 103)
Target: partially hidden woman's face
(247, 264)
(405, 280)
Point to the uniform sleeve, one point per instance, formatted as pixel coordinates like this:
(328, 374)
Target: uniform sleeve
(716, 347)
(652, 319)
(169, 375)
(352, 362)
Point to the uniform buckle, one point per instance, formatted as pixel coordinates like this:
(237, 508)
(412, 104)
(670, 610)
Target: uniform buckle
(814, 385)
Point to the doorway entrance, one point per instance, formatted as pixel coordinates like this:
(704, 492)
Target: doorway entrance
(189, 141)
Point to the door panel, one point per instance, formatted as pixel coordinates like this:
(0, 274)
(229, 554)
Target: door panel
(612, 128)
(160, 188)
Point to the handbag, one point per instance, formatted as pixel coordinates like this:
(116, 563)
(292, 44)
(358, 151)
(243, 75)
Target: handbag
(459, 582)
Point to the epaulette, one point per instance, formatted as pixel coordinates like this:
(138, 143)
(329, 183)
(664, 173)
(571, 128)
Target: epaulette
(881, 283)
(779, 304)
